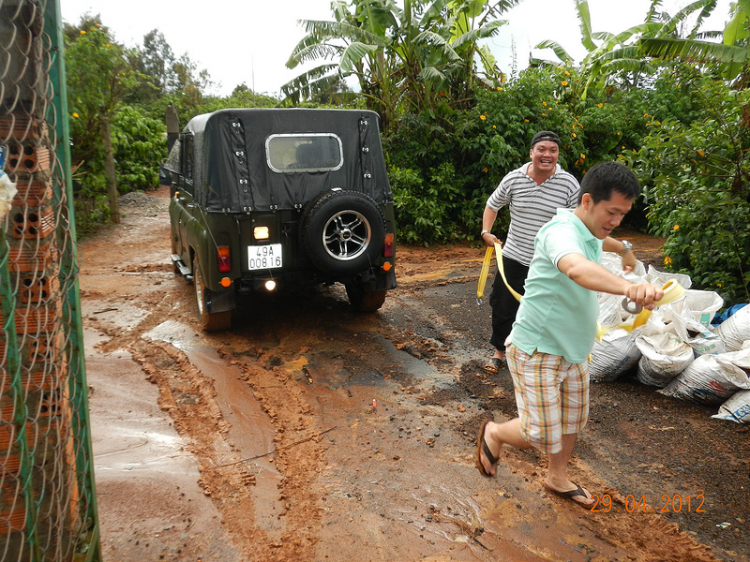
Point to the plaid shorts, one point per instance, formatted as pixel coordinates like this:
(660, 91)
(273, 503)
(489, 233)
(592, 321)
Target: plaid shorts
(552, 396)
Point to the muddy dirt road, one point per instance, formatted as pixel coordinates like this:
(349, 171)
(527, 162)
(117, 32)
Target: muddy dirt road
(310, 433)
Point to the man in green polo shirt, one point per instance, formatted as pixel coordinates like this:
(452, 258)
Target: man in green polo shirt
(555, 327)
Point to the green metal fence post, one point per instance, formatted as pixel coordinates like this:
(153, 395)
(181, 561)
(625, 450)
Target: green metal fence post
(69, 270)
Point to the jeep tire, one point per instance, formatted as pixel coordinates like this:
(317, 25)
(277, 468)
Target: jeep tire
(342, 231)
(210, 321)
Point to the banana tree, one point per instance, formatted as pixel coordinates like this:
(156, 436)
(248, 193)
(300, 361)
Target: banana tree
(621, 56)
(456, 47)
(402, 58)
(732, 55)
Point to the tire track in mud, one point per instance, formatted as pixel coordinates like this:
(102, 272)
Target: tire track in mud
(189, 397)
(298, 456)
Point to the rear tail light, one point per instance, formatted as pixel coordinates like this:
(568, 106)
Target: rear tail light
(225, 264)
(389, 245)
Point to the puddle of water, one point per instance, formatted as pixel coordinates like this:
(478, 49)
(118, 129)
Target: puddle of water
(133, 435)
(251, 431)
(120, 314)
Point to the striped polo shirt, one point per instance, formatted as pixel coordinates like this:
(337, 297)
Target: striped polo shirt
(531, 207)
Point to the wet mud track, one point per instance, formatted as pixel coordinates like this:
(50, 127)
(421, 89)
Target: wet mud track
(309, 432)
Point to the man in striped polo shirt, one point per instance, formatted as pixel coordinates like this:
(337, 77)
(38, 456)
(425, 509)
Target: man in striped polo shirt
(533, 193)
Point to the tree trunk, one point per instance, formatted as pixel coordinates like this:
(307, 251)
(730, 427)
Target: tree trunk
(173, 127)
(109, 171)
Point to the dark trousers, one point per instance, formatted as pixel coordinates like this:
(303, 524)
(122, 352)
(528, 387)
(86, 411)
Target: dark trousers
(504, 305)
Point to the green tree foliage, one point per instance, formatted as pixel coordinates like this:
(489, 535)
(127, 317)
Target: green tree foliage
(139, 143)
(117, 112)
(697, 185)
(425, 207)
(488, 141)
(445, 166)
(510, 115)
(616, 120)
(155, 60)
(94, 98)
(242, 96)
(166, 79)
(435, 181)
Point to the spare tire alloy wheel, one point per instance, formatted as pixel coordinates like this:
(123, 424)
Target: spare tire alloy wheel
(343, 232)
(210, 321)
(346, 235)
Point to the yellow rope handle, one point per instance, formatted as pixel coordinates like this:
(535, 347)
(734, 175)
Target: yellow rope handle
(486, 269)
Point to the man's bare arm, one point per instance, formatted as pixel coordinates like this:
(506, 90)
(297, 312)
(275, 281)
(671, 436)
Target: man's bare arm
(592, 276)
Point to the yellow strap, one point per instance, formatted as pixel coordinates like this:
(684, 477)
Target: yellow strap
(486, 269)
(672, 291)
(483, 275)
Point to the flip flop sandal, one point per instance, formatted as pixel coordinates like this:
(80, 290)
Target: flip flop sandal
(494, 365)
(482, 447)
(571, 495)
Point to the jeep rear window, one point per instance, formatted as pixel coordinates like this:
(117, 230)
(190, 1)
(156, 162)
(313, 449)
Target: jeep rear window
(311, 152)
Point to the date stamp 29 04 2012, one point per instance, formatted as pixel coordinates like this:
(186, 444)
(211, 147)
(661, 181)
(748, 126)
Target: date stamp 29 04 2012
(674, 503)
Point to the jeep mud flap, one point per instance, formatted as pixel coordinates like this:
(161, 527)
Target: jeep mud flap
(220, 302)
(378, 280)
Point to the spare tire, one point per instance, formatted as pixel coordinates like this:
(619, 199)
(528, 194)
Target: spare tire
(342, 231)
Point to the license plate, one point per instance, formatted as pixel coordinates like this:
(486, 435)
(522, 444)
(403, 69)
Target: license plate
(267, 256)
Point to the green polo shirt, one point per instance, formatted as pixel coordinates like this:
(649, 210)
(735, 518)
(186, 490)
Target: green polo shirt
(556, 315)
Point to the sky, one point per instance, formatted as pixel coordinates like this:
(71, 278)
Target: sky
(249, 41)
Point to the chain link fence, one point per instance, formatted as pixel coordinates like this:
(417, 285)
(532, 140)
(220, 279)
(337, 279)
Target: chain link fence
(47, 496)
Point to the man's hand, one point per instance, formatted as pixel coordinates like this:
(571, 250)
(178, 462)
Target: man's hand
(489, 239)
(629, 262)
(644, 294)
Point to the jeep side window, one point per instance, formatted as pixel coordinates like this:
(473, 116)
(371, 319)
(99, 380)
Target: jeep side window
(187, 161)
(311, 152)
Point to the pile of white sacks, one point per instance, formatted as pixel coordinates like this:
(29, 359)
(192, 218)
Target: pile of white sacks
(677, 350)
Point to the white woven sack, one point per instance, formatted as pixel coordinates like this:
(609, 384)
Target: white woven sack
(615, 354)
(696, 335)
(711, 379)
(698, 305)
(735, 330)
(659, 278)
(736, 409)
(664, 357)
(613, 263)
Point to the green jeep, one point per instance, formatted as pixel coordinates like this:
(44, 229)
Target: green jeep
(267, 199)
